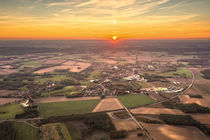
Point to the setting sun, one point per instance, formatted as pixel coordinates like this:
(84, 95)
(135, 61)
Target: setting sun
(114, 37)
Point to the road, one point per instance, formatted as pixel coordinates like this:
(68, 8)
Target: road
(127, 110)
(138, 123)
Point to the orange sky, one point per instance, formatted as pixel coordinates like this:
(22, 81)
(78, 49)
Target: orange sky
(102, 19)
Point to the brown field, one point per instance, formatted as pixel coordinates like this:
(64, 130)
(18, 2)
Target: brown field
(155, 96)
(6, 66)
(132, 136)
(202, 118)
(8, 100)
(53, 131)
(7, 71)
(61, 99)
(170, 132)
(155, 111)
(109, 61)
(202, 85)
(6, 62)
(108, 104)
(201, 101)
(127, 125)
(73, 66)
(7, 92)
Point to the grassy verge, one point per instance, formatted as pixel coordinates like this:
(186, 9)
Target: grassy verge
(66, 108)
(135, 100)
(9, 111)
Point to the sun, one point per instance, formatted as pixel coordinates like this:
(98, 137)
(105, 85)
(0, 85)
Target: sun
(114, 37)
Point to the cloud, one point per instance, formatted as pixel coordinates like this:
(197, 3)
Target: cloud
(107, 3)
(4, 17)
(60, 3)
(87, 3)
(181, 3)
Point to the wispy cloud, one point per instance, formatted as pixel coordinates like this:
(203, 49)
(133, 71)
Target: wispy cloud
(87, 3)
(181, 3)
(65, 3)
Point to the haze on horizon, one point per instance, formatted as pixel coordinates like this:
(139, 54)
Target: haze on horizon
(103, 19)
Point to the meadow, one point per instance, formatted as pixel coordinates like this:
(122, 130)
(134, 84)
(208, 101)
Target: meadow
(66, 108)
(135, 100)
(9, 111)
(180, 72)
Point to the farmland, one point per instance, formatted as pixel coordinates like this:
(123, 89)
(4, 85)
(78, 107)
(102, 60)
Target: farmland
(180, 72)
(166, 132)
(56, 131)
(9, 111)
(135, 100)
(108, 104)
(26, 132)
(66, 108)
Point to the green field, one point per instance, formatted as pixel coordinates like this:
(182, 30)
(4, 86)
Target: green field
(26, 132)
(31, 64)
(135, 100)
(9, 111)
(145, 84)
(57, 77)
(94, 75)
(181, 72)
(64, 91)
(66, 108)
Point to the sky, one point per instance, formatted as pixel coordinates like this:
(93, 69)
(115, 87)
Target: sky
(102, 19)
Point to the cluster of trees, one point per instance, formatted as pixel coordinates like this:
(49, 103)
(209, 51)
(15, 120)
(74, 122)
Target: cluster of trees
(118, 134)
(146, 120)
(153, 78)
(195, 96)
(7, 131)
(29, 112)
(184, 120)
(186, 108)
(16, 80)
(206, 73)
(99, 121)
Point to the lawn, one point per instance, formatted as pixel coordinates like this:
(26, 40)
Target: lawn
(181, 72)
(66, 108)
(26, 132)
(135, 100)
(9, 111)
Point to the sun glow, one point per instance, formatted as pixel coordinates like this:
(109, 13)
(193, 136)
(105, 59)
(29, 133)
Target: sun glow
(114, 37)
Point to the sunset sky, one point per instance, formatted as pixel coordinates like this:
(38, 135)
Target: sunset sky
(102, 19)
